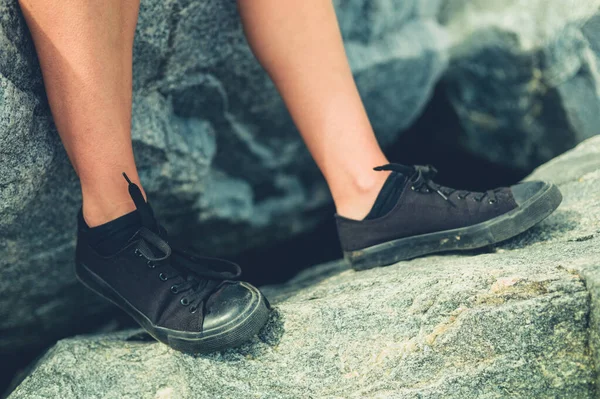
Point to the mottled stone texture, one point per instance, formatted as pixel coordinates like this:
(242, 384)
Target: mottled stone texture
(508, 322)
(525, 90)
(216, 148)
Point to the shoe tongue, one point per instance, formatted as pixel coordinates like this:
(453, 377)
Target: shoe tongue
(388, 195)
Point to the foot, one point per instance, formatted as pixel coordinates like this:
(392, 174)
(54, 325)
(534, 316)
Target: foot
(425, 218)
(191, 303)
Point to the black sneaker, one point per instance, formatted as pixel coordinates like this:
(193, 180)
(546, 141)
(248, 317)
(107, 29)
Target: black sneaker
(191, 303)
(428, 218)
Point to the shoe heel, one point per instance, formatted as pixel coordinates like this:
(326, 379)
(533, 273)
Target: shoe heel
(388, 253)
(359, 261)
(86, 278)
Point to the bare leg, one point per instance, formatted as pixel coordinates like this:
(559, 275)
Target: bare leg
(85, 51)
(299, 44)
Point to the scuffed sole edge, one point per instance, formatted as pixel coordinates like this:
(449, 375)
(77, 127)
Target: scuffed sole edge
(493, 231)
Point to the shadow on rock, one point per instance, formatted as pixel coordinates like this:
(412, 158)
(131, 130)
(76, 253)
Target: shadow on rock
(140, 336)
(272, 331)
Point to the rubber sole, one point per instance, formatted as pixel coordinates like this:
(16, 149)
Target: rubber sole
(492, 231)
(229, 335)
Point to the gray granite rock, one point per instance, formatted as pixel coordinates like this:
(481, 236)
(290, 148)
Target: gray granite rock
(519, 320)
(218, 153)
(524, 76)
(217, 150)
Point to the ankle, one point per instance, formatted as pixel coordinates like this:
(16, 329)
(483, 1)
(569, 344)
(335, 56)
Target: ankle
(106, 197)
(104, 206)
(358, 198)
(96, 213)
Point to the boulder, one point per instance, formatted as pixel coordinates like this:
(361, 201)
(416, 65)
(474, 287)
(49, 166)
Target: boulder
(519, 320)
(217, 151)
(524, 91)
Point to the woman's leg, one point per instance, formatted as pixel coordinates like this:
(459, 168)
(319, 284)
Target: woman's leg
(299, 44)
(85, 51)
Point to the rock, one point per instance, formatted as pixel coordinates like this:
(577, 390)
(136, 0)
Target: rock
(525, 91)
(217, 151)
(519, 320)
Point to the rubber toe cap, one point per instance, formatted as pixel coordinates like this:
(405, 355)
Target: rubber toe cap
(522, 192)
(232, 301)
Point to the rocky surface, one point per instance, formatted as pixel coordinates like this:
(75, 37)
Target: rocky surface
(514, 321)
(217, 151)
(524, 91)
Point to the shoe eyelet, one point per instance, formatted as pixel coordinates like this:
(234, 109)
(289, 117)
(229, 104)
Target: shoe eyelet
(174, 289)
(138, 252)
(163, 277)
(193, 309)
(492, 201)
(460, 197)
(184, 301)
(151, 264)
(413, 188)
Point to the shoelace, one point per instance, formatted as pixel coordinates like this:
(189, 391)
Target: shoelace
(421, 181)
(200, 281)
